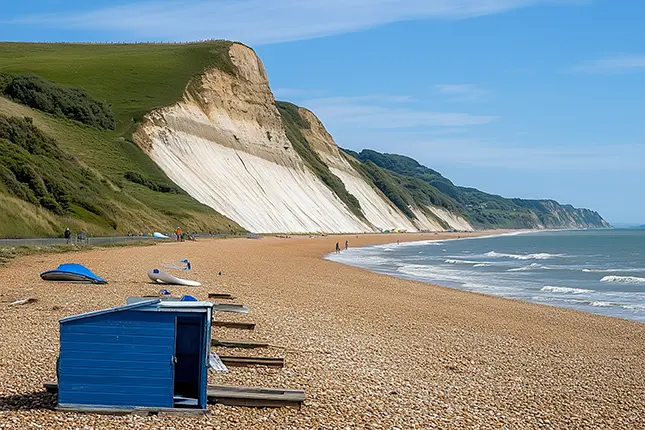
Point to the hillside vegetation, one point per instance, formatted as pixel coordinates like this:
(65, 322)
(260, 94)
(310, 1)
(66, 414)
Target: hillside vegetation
(72, 103)
(69, 92)
(483, 210)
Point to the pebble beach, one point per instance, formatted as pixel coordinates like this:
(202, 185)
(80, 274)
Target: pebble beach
(371, 351)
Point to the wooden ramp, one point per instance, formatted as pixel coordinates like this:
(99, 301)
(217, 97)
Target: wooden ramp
(238, 361)
(255, 396)
(239, 396)
(234, 324)
(238, 343)
(230, 307)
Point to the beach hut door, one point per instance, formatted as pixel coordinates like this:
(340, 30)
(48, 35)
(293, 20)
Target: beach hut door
(187, 361)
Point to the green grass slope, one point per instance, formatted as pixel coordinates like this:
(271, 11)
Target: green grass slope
(133, 80)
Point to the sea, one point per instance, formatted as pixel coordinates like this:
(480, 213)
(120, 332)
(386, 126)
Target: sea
(598, 271)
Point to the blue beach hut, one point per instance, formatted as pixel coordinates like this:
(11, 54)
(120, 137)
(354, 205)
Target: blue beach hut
(147, 354)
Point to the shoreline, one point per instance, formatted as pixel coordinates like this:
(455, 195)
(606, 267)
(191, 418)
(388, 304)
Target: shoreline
(369, 349)
(456, 284)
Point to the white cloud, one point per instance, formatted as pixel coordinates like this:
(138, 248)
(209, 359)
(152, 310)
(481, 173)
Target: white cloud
(379, 112)
(462, 92)
(260, 22)
(617, 64)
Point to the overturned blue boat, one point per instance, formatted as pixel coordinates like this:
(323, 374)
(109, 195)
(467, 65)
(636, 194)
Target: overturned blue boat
(72, 273)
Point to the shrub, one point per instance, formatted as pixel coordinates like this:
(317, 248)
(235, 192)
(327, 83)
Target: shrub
(72, 103)
(161, 187)
(34, 169)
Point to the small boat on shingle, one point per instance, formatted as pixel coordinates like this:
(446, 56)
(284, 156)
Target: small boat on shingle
(72, 273)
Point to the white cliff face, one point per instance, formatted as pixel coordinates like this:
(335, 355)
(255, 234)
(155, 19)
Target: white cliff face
(224, 143)
(377, 208)
(455, 221)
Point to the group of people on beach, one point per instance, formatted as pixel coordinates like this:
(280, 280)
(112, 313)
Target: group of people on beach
(338, 246)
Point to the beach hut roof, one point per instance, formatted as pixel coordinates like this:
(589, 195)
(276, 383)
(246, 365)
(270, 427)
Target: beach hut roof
(141, 304)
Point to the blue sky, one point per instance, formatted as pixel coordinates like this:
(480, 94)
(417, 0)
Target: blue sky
(524, 98)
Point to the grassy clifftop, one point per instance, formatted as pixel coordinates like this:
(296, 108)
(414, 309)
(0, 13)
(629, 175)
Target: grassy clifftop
(130, 193)
(134, 78)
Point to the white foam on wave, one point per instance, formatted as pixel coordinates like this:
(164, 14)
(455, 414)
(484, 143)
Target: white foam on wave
(602, 304)
(416, 270)
(614, 270)
(566, 290)
(360, 258)
(473, 262)
(536, 256)
(486, 288)
(531, 266)
(623, 279)
(559, 300)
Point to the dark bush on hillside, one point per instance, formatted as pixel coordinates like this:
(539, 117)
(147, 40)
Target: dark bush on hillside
(161, 187)
(34, 169)
(5, 79)
(389, 187)
(72, 103)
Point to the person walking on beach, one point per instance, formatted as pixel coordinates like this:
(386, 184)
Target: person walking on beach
(346, 244)
(67, 235)
(178, 233)
(337, 248)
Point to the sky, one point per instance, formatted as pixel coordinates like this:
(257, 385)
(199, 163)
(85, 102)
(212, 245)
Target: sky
(523, 98)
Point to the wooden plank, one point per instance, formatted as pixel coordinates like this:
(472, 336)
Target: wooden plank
(230, 307)
(234, 324)
(237, 361)
(223, 296)
(226, 395)
(255, 396)
(238, 343)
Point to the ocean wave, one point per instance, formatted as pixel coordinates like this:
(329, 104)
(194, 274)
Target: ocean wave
(591, 303)
(536, 256)
(492, 289)
(567, 290)
(641, 269)
(531, 266)
(417, 270)
(560, 300)
(603, 304)
(623, 279)
(475, 263)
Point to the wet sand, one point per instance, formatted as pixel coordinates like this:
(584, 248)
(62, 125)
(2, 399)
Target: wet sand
(372, 351)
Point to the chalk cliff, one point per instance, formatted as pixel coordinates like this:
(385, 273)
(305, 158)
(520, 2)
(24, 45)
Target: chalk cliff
(225, 144)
